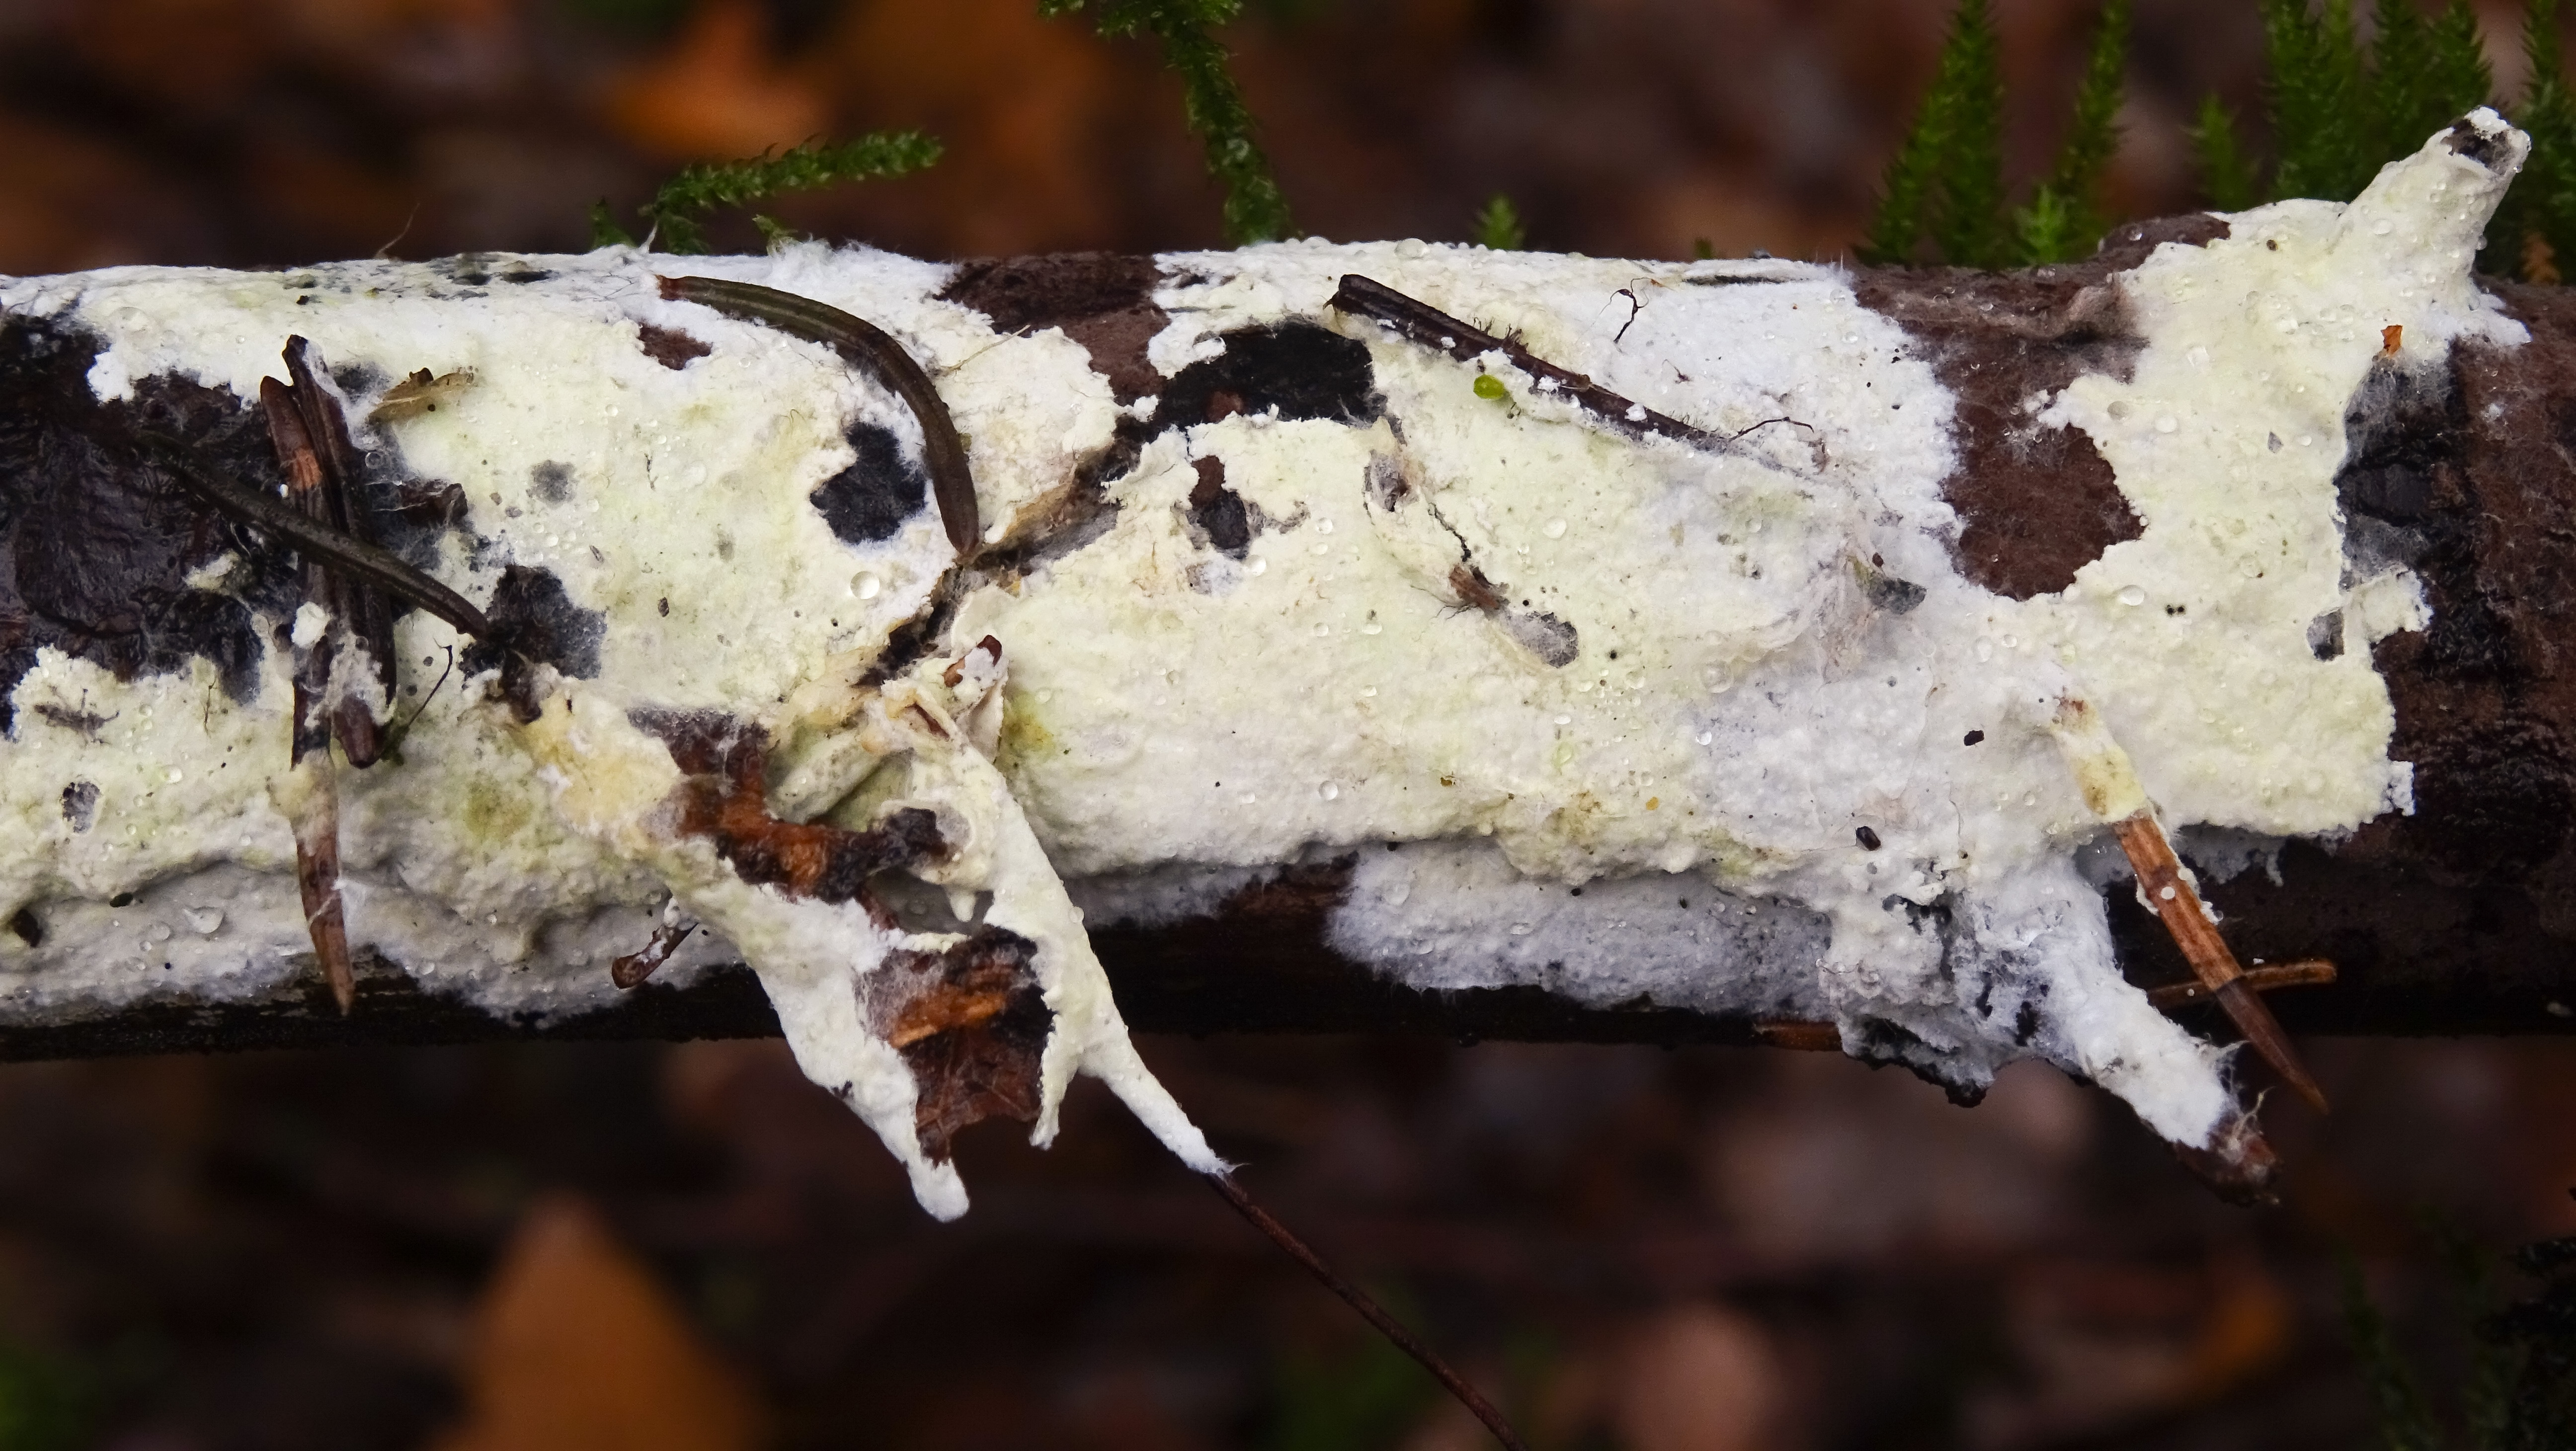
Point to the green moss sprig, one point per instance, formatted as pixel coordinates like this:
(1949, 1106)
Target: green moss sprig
(672, 217)
(1255, 209)
(1499, 227)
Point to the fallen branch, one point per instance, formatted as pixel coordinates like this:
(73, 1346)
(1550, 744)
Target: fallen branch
(1366, 639)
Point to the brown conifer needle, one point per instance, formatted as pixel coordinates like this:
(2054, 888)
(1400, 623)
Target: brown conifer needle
(1375, 1314)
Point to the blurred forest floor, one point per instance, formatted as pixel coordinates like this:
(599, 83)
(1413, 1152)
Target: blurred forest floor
(690, 1248)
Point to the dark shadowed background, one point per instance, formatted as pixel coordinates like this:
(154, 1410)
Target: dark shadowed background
(688, 1247)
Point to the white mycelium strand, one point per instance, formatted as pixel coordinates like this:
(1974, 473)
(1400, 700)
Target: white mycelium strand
(1533, 652)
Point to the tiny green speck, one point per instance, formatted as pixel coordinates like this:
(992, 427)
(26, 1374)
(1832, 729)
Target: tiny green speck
(1489, 386)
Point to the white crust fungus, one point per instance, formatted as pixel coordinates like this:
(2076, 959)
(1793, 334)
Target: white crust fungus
(1673, 677)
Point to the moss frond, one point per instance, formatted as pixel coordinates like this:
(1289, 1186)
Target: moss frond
(2542, 203)
(2405, 1421)
(2321, 118)
(1946, 181)
(675, 211)
(1255, 209)
(2064, 219)
(1499, 227)
(2226, 172)
(604, 231)
(2424, 74)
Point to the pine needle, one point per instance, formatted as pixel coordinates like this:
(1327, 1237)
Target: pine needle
(1255, 210)
(2064, 219)
(2226, 172)
(675, 211)
(1499, 227)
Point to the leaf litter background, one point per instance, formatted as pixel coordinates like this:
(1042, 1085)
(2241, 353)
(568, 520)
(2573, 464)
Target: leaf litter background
(687, 1247)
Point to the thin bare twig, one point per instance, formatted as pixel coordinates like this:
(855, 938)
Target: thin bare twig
(1419, 322)
(1375, 1314)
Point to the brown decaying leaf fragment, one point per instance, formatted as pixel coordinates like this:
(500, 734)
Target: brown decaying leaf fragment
(631, 970)
(725, 798)
(971, 1023)
(418, 394)
(2169, 892)
(970, 1019)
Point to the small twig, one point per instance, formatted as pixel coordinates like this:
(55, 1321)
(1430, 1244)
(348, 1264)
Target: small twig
(1375, 1314)
(378, 567)
(865, 345)
(1420, 323)
(2262, 978)
(2162, 883)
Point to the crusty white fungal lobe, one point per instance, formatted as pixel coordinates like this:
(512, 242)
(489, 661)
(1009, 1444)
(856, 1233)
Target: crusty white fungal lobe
(1621, 708)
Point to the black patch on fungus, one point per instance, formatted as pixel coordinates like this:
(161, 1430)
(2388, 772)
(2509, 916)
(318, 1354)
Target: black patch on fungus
(1885, 591)
(2025, 1023)
(358, 379)
(1217, 511)
(534, 616)
(868, 502)
(80, 804)
(96, 545)
(1102, 300)
(1971, 738)
(1867, 838)
(551, 481)
(1555, 642)
(30, 931)
(670, 347)
(1882, 1043)
(2478, 146)
(2325, 635)
(1296, 370)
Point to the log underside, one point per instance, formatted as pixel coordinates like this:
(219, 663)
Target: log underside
(2460, 919)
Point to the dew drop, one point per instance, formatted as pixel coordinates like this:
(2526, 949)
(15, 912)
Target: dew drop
(1553, 529)
(1368, 692)
(1372, 628)
(1707, 738)
(2132, 596)
(1565, 720)
(2010, 642)
(866, 586)
(1257, 567)
(2167, 423)
(157, 932)
(1522, 929)
(205, 921)
(1329, 791)
(1321, 630)
(174, 775)
(1323, 526)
